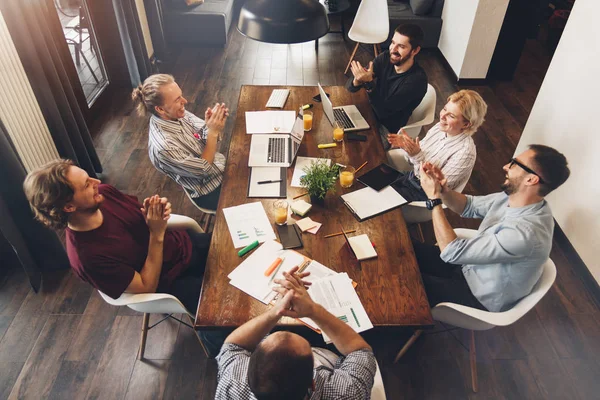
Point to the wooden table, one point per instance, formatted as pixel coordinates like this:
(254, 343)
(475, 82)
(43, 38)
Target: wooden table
(389, 286)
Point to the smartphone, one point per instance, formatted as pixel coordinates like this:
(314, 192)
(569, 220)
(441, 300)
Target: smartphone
(289, 236)
(356, 136)
(317, 98)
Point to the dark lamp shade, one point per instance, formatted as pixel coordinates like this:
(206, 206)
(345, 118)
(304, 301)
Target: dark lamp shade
(283, 21)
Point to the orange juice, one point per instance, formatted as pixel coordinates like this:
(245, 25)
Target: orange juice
(280, 209)
(338, 132)
(347, 177)
(308, 120)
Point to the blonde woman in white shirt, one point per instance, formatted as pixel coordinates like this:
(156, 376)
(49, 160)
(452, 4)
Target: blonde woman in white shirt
(448, 145)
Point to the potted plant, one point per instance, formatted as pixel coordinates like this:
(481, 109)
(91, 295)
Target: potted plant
(319, 179)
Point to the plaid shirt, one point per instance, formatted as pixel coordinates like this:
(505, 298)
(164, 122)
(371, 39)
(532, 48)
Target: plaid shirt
(175, 148)
(350, 379)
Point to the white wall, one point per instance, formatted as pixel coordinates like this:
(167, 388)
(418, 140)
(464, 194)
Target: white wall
(470, 30)
(144, 26)
(566, 116)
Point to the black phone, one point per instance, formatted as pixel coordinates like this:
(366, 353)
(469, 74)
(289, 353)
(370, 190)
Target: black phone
(317, 98)
(289, 236)
(356, 136)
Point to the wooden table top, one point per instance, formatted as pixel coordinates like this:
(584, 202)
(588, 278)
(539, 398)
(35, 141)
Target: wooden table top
(389, 286)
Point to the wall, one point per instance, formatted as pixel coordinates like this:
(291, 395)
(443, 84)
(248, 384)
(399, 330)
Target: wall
(565, 116)
(469, 34)
(145, 28)
(19, 109)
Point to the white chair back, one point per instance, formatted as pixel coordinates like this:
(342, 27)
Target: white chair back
(204, 210)
(150, 303)
(479, 320)
(424, 114)
(378, 391)
(372, 23)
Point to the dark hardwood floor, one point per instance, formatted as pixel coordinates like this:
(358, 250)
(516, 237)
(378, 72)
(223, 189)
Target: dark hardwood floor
(66, 343)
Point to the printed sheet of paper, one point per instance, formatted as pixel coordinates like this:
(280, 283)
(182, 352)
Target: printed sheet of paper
(247, 223)
(269, 121)
(301, 163)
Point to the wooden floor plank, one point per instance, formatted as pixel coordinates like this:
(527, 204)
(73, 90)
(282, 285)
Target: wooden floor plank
(114, 369)
(74, 380)
(13, 291)
(148, 380)
(19, 339)
(39, 372)
(584, 373)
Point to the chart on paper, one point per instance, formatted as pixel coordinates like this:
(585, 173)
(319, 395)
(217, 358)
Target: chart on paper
(247, 223)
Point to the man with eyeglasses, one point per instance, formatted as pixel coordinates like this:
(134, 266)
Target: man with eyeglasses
(502, 263)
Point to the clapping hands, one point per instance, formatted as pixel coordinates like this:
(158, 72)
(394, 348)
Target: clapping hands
(294, 300)
(403, 141)
(361, 74)
(433, 181)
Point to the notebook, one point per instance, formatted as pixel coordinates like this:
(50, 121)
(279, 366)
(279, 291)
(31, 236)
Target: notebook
(366, 203)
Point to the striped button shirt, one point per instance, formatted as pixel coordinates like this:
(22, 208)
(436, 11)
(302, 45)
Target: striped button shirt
(351, 378)
(454, 155)
(175, 148)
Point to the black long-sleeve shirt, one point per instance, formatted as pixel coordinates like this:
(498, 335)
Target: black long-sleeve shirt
(394, 96)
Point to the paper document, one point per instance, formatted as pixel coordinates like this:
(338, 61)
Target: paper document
(247, 223)
(270, 121)
(366, 202)
(338, 296)
(301, 163)
(249, 275)
(261, 174)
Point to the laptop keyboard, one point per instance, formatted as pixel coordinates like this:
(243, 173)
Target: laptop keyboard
(340, 115)
(277, 150)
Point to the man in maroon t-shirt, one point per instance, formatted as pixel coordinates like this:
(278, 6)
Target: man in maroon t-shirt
(113, 242)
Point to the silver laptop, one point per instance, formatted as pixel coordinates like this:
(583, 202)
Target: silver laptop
(278, 150)
(349, 116)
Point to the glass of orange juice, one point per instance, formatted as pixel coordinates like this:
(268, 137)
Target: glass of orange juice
(281, 212)
(308, 120)
(338, 132)
(347, 176)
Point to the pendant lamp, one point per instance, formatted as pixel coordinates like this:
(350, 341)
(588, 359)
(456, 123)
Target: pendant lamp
(283, 21)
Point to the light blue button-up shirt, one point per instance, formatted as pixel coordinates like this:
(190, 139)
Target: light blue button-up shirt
(504, 261)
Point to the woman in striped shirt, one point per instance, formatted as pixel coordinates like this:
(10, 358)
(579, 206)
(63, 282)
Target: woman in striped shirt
(181, 145)
(448, 145)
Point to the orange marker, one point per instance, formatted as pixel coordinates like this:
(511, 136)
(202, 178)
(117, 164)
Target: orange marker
(272, 267)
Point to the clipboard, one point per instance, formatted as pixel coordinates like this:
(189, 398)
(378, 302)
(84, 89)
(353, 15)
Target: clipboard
(367, 203)
(276, 190)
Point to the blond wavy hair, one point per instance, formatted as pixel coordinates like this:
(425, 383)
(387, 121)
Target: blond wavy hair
(148, 95)
(472, 107)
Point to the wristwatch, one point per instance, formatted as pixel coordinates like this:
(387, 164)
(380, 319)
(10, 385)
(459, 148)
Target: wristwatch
(430, 204)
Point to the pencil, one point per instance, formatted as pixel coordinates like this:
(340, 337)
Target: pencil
(303, 266)
(358, 169)
(339, 233)
(300, 195)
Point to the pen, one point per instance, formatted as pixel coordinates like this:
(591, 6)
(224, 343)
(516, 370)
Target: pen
(339, 233)
(327, 145)
(263, 182)
(359, 168)
(300, 195)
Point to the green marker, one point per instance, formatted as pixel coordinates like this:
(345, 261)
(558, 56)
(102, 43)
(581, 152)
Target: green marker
(246, 249)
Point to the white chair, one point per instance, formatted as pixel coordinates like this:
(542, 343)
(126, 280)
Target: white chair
(378, 391)
(209, 213)
(479, 320)
(371, 26)
(159, 303)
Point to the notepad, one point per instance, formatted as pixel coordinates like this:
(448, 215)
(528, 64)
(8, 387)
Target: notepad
(306, 224)
(301, 207)
(362, 247)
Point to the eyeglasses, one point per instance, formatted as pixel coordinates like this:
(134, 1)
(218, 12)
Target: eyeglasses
(514, 161)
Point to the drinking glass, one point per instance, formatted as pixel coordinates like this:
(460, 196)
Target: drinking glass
(338, 132)
(308, 120)
(281, 212)
(347, 176)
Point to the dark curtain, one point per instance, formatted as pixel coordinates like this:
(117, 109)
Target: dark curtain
(35, 29)
(132, 38)
(35, 247)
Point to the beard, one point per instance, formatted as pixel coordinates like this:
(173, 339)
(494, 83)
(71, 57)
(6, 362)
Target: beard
(510, 186)
(399, 62)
